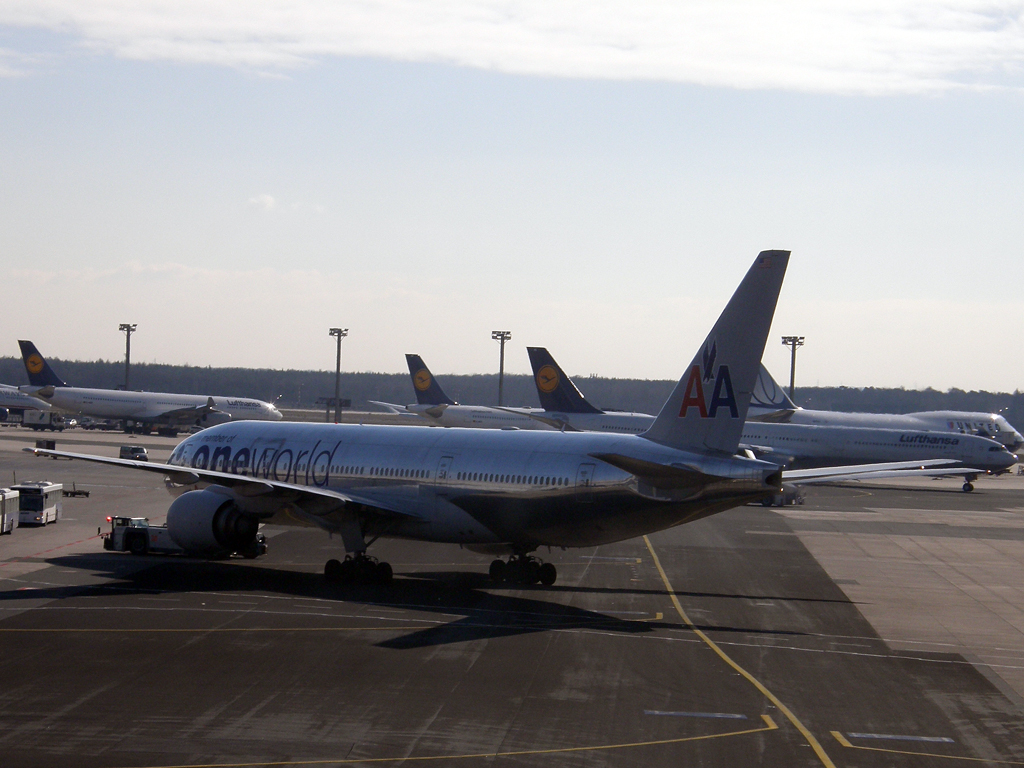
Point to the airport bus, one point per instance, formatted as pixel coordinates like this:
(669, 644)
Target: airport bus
(39, 502)
(8, 510)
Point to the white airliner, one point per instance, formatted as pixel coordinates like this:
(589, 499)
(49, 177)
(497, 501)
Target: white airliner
(169, 412)
(493, 491)
(12, 397)
(434, 407)
(771, 403)
(791, 445)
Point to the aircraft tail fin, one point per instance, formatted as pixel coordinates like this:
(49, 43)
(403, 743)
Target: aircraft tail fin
(555, 389)
(768, 395)
(707, 409)
(39, 372)
(428, 391)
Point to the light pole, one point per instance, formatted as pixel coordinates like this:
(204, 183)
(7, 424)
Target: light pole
(340, 333)
(128, 329)
(793, 342)
(501, 337)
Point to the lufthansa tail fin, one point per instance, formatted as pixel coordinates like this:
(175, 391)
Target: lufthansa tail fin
(428, 391)
(39, 372)
(707, 409)
(555, 389)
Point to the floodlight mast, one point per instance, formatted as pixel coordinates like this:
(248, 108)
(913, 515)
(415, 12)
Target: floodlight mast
(501, 337)
(128, 329)
(792, 342)
(339, 333)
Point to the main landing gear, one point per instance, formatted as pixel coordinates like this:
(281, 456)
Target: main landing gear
(523, 569)
(968, 486)
(357, 569)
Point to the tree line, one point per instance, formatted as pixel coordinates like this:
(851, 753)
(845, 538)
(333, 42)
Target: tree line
(302, 389)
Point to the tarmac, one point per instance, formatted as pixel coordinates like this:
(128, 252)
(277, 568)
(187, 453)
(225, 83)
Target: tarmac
(876, 625)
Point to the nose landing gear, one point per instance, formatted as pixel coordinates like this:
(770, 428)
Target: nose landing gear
(358, 569)
(523, 569)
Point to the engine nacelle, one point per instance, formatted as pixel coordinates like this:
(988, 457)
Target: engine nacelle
(213, 419)
(205, 521)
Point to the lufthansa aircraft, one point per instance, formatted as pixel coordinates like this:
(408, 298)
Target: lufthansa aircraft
(168, 412)
(493, 491)
(791, 445)
(771, 403)
(435, 407)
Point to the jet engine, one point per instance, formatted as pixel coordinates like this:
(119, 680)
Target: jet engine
(213, 418)
(206, 521)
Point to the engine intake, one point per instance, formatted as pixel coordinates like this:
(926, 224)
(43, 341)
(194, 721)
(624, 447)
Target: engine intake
(205, 521)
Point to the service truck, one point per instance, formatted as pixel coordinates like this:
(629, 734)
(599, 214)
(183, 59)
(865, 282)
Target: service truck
(136, 535)
(40, 420)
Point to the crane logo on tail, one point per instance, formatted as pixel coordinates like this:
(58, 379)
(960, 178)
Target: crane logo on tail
(547, 379)
(34, 363)
(722, 394)
(421, 379)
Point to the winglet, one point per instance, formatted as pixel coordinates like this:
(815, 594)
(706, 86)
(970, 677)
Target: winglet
(707, 409)
(555, 389)
(39, 372)
(428, 391)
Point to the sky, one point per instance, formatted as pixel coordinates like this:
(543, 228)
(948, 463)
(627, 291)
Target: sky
(238, 177)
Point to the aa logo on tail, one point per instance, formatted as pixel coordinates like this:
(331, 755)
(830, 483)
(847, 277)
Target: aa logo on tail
(721, 394)
(421, 380)
(547, 379)
(34, 363)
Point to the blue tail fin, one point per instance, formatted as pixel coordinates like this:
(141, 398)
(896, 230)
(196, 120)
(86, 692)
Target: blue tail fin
(555, 389)
(428, 391)
(39, 372)
(707, 409)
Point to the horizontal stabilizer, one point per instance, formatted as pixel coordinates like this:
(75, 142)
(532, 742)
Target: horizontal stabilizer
(665, 476)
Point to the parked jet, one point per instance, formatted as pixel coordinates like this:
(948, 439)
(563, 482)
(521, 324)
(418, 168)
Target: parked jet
(493, 491)
(771, 403)
(12, 397)
(435, 407)
(793, 446)
(168, 412)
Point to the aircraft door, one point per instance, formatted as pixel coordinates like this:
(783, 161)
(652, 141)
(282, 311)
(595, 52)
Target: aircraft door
(584, 482)
(443, 467)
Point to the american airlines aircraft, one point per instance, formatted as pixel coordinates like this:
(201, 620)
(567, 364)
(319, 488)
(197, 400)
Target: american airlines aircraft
(791, 445)
(168, 412)
(771, 403)
(435, 407)
(493, 491)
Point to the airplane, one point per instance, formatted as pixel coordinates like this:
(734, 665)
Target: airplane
(435, 407)
(12, 397)
(793, 446)
(169, 412)
(500, 492)
(771, 403)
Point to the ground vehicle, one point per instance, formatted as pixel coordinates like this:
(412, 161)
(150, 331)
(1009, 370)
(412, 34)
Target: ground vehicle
(40, 420)
(136, 535)
(39, 502)
(136, 452)
(8, 510)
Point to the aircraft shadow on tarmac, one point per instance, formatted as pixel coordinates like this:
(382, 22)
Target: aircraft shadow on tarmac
(487, 611)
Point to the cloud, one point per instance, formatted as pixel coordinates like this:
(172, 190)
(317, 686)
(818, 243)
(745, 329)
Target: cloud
(851, 46)
(263, 202)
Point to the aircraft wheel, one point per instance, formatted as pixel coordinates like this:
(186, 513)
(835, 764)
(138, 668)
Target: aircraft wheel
(548, 574)
(531, 573)
(497, 571)
(968, 487)
(333, 570)
(384, 573)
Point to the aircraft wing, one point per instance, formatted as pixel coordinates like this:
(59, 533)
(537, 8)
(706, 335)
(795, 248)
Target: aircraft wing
(390, 407)
(190, 413)
(310, 499)
(926, 468)
(552, 421)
